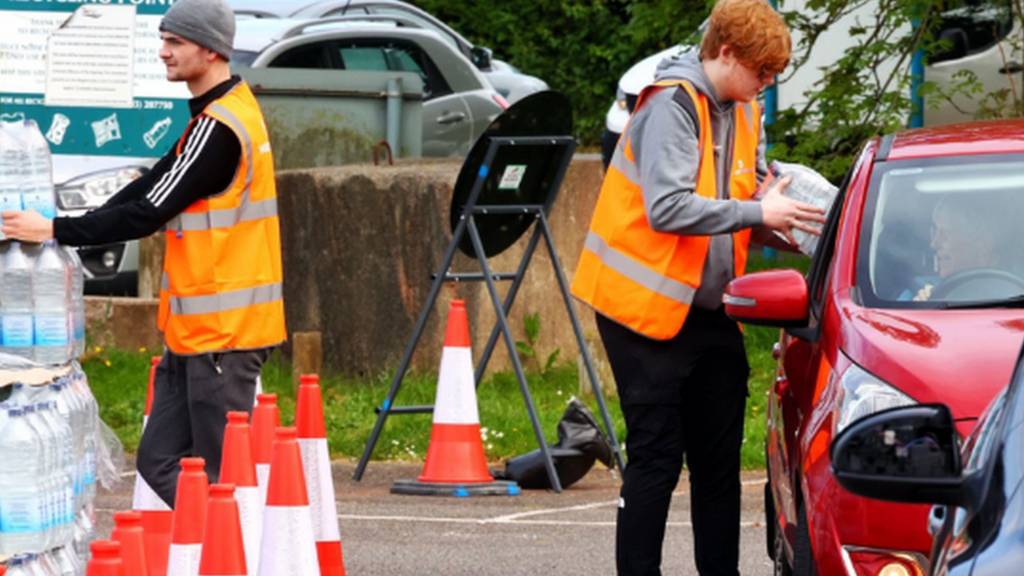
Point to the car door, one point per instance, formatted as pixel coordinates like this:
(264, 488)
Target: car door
(802, 371)
(447, 119)
(977, 35)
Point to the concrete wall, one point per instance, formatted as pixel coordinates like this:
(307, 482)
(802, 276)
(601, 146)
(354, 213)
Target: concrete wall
(360, 243)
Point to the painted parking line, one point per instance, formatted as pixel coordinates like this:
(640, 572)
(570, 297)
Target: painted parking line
(528, 518)
(496, 522)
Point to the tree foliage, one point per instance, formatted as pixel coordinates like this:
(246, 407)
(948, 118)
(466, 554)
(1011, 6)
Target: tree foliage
(578, 47)
(582, 47)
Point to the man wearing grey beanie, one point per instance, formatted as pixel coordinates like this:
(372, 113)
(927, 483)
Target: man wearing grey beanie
(221, 307)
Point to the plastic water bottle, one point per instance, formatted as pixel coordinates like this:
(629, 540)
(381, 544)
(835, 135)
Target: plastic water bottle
(67, 561)
(16, 328)
(76, 300)
(12, 165)
(37, 188)
(62, 471)
(69, 409)
(91, 435)
(808, 186)
(20, 501)
(50, 283)
(46, 489)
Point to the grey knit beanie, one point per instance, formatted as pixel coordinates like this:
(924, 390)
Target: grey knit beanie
(209, 23)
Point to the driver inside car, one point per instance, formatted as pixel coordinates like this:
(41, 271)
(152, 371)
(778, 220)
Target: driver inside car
(963, 238)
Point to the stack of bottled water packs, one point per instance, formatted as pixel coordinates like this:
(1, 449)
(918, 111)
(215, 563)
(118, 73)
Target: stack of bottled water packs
(50, 434)
(42, 312)
(26, 181)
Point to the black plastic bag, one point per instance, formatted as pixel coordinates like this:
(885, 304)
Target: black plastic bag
(580, 444)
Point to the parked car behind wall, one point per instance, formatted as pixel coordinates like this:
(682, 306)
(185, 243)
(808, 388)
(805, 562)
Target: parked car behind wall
(506, 79)
(458, 105)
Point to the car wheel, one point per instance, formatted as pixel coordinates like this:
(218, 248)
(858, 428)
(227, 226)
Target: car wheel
(803, 556)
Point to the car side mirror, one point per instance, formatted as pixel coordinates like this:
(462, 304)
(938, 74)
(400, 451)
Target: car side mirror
(772, 298)
(906, 454)
(481, 57)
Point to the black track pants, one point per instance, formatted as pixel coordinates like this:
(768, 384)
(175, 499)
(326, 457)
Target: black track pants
(681, 397)
(191, 398)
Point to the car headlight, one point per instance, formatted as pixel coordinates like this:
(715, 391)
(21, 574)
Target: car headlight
(92, 190)
(862, 394)
(620, 98)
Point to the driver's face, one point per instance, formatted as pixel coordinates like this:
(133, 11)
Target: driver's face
(956, 248)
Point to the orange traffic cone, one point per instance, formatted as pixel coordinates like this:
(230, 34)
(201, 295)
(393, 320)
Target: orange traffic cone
(223, 552)
(156, 514)
(237, 467)
(265, 419)
(144, 498)
(455, 463)
(106, 559)
(189, 518)
(316, 462)
(287, 546)
(128, 531)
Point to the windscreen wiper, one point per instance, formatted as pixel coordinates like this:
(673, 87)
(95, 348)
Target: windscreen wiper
(1011, 302)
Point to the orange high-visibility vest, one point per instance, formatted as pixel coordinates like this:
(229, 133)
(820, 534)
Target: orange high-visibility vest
(222, 283)
(644, 279)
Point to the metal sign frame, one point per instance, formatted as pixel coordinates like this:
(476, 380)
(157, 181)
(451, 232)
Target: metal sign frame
(563, 146)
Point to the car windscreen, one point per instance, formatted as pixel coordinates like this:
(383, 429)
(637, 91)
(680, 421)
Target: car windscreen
(943, 233)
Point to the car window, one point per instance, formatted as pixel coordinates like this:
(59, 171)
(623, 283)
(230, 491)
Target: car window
(377, 54)
(970, 26)
(942, 232)
(357, 58)
(308, 56)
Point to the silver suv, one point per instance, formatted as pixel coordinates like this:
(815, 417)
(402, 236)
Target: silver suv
(458, 102)
(506, 79)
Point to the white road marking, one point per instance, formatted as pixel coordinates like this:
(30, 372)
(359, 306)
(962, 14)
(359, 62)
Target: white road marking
(506, 522)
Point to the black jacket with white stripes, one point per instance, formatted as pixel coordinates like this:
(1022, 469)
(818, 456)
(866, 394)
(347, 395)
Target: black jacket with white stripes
(207, 165)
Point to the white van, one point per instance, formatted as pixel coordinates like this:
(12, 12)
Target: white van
(977, 32)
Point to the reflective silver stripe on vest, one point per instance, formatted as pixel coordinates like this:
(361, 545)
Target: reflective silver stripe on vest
(209, 304)
(239, 129)
(225, 218)
(612, 258)
(748, 114)
(165, 282)
(622, 164)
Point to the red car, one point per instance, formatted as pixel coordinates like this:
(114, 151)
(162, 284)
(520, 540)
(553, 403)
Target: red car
(914, 295)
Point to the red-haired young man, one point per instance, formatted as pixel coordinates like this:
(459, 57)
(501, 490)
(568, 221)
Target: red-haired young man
(671, 227)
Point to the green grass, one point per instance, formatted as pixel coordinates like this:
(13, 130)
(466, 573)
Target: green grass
(118, 379)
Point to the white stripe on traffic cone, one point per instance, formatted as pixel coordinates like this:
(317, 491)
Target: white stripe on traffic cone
(316, 465)
(288, 547)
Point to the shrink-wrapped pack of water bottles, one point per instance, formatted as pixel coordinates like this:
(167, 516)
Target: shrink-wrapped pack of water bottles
(52, 441)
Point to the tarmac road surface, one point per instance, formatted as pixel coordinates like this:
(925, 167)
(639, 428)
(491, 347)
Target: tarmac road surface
(538, 533)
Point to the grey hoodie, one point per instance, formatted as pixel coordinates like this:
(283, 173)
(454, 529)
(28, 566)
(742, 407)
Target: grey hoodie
(665, 147)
